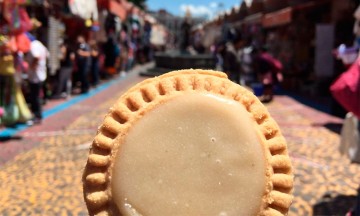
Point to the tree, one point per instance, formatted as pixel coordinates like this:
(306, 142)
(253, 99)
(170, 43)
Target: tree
(140, 3)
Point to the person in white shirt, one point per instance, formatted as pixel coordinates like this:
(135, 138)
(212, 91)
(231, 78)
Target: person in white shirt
(38, 55)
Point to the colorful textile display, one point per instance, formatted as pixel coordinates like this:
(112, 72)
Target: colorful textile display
(16, 17)
(12, 100)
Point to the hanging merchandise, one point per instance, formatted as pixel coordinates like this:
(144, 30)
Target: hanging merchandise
(35, 23)
(8, 101)
(25, 22)
(30, 36)
(8, 7)
(7, 90)
(12, 101)
(24, 111)
(12, 45)
(4, 40)
(7, 65)
(21, 66)
(95, 26)
(22, 2)
(16, 17)
(15, 43)
(22, 43)
(86, 9)
(88, 23)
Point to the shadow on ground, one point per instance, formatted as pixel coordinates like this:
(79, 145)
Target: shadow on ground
(322, 104)
(334, 127)
(9, 138)
(338, 205)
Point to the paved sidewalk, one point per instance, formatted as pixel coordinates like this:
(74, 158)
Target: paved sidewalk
(59, 114)
(44, 177)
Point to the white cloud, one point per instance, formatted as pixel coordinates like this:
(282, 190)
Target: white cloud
(197, 10)
(213, 4)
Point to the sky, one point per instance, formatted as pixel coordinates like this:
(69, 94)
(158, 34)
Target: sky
(204, 8)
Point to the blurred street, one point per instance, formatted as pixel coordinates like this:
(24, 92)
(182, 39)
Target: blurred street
(41, 171)
(63, 64)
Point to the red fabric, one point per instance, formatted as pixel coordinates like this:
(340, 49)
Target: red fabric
(12, 45)
(346, 89)
(26, 24)
(23, 43)
(17, 19)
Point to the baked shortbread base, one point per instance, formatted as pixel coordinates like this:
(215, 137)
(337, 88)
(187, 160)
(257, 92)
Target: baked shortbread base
(151, 94)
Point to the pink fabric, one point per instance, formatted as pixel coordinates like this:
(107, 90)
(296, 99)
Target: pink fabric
(276, 64)
(346, 89)
(274, 73)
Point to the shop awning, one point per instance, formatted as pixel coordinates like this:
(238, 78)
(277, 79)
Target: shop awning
(237, 24)
(117, 9)
(277, 18)
(254, 18)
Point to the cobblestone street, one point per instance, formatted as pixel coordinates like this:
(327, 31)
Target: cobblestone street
(44, 176)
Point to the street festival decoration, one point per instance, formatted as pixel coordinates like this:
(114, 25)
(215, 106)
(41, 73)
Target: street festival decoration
(173, 144)
(14, 18)
(14, 23)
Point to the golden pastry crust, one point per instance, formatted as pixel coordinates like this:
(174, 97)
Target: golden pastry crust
(150, 93)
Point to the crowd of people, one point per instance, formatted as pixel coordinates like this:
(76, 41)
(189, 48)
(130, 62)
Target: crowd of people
(249, 64)
(25, 83)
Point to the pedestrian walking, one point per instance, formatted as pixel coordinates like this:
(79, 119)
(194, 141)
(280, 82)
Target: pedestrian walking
(231, 65)
(67, 58)
(146, 41)
(246, 62)
(124, 58)
(95, 65)
(111, 51)
(131, 55)
(37, 75)
(83, 63)
(269, 72)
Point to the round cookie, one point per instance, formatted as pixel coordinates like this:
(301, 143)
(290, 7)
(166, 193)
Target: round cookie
(189, 142)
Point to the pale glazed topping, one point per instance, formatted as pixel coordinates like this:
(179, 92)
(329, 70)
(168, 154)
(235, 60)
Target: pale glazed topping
(196, 154)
